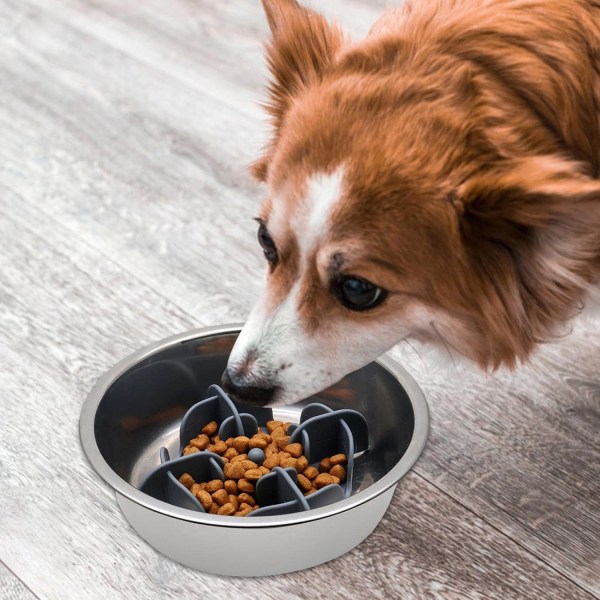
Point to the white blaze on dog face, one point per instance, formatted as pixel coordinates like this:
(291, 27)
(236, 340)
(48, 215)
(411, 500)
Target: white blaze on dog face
(299, 338)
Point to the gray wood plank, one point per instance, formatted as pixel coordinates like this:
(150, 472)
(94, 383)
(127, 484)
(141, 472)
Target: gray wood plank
(11, 587)
(523, 451)
(126, 129)
(67, 314)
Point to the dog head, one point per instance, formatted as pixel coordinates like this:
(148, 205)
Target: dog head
(391, 215)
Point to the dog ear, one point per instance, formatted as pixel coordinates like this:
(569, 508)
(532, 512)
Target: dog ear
(302, 48)
(532, 234)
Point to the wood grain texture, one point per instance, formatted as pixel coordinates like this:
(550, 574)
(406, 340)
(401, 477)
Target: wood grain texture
(125, 216)
(11, 587)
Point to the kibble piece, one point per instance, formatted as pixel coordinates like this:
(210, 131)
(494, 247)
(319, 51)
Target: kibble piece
(336, 480)
(288, 462)
(258, 442)
(233, 499)
(272, 425)
(230, 453)
(322, 480)
(214, 508)
(339, 472)
(210, 428)
(283, 442)
(201, 442)
(294, 449)
(310, 473)
(277, 433)
(246, 498)
(248, 464)
(264, 436)
(263, 470)
(243, 511)
(233, 470)
(339, 459)
(244, 485)
(311, 491)
(302, 463)
(189, 450)
(229, 442)
(240, 443)
(304, 483)
(230, 486)
(239, 457)
(220, 447)
(203, 485)
(271, 449)
(205, 499)
(226, 510)
(213, 486)
(253, 474)
(187, 480)
(271, 461)
(220, 497)
(196, 487)
(325, 465)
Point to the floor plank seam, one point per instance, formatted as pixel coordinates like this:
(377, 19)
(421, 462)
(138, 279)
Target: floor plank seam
(17, 577)
(529, 551)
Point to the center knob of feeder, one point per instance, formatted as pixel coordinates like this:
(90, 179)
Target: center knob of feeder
(256, 455)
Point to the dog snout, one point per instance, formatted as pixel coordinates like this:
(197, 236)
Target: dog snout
(246, 393)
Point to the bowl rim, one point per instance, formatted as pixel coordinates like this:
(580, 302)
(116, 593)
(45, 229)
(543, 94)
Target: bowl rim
(122, 487)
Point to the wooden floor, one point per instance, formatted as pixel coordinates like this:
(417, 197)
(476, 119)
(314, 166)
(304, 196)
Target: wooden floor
(125, 216)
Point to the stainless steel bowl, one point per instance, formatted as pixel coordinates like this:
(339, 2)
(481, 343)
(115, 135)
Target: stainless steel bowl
(137, 406)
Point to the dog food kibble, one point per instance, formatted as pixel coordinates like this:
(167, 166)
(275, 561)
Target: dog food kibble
(304, 482)
(294, 449)
(187, 480)
(247, 459)
(310, 473)
(323, 479)
(338, 459)
(226, 509)
(201, 442)
(258, 442)
(240, 443)
(210, 428)
(230, 486)
(233, 470)
(213, 485)
(220, 497)
(246, 498)
(205, 499)
(272, 425)
(339, 472)
(246, 486)
(325, 465)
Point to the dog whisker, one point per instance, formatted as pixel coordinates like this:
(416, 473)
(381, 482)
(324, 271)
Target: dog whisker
(418, 354)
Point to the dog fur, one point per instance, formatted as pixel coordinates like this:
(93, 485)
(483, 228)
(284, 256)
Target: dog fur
(451, 158)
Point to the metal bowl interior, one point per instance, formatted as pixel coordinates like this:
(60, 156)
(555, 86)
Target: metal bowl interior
(137, 407)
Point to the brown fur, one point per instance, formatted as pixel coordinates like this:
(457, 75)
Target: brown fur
(470, 138)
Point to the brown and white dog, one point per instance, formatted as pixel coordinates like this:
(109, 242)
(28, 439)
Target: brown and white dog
(436, 181)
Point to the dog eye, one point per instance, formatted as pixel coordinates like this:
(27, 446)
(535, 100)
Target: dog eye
(267, 244)
(357, 293)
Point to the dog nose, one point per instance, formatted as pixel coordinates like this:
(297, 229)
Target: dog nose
(246, 394)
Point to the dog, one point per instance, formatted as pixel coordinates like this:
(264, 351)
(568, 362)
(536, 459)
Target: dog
(436, 181)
